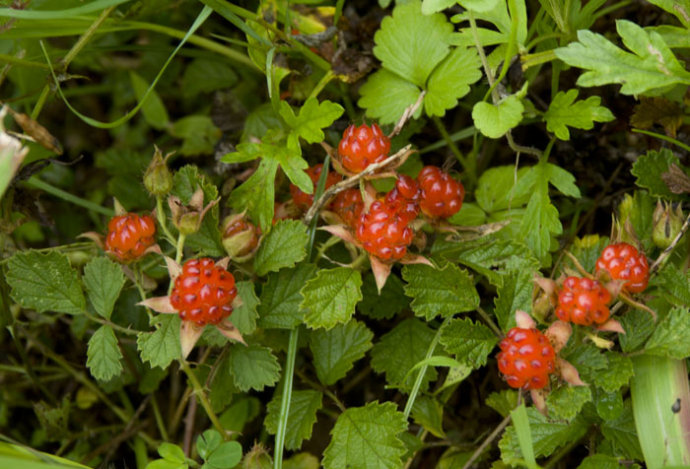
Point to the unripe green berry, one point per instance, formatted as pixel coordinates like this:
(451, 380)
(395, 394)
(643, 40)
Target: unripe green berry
(667, 224)
(158, 179)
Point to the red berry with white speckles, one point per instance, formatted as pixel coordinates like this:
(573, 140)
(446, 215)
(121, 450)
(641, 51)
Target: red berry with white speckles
(203, 292)
(583, 301)
(441, 195)
(129, 235)
(362, 146)
(348, 204)
(623, 262)
(526, 358)
(383, 232)
(404, 197)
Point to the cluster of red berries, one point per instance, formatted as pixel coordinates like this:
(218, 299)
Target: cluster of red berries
(129, 236)
(303, 200)
(203, 292)
(362, 146)
(526, 359)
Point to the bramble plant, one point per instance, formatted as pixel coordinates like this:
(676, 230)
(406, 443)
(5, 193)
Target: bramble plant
(344, 234)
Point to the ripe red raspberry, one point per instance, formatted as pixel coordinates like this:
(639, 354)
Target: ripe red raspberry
(623, 262)
(384, 232)
(583, 301)
(129, 235)
(203, 292)
(441, 194)
(362, 146)
(348, 204)
(526, 358)
(404, 197)
(304, 200)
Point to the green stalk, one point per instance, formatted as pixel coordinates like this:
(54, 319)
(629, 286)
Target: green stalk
(287, 395)
(659, 388)
(36, 183)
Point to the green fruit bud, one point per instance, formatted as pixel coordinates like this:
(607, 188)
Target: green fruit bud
(257, 458)
(667, 224)
(240, 238)
(158, 179)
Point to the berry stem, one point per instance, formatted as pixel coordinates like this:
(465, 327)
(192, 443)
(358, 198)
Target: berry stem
(160, 215)
(201, 395)
(180, 248)
(37, 183)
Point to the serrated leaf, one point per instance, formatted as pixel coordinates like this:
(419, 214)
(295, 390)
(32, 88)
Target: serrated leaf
(565, 112)
(336, 350)
(670, 338)
(366, 438)
(162, 346)
(515, 294)
(540, 222)
(428, 413)
(152, 109)
(469, 341)
(616, 374)
(45, 282)
(312, 117)
(638, 326)
(567, 401)
(257, 194)
(104, 354)
(443, 292)
(503, 401)
(331, 296)
(382, 305)
(674, 284)
(599, 461)
(385, 96)
(588, 359)
(198, 133)
(244, 317)
(547, 436)
(622, 434)
(649, 168)
(103, 280)
(495, 120)
(609, 405)
(281, 297)
(660, 111)
(650, 68)
(284, 246)
(401, 349)
(301, 417)
(494, 189)
(410, 44)
(253, 367)
(451, 80)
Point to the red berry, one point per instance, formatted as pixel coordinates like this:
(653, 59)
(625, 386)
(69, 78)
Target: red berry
(623, 262)
(526, 358)
(348, 204)
(404, 197)
(362, 146)
(203, 292)
(304, 200)
(129, 235)
(441, 194)
(583, 301)
(384, 232)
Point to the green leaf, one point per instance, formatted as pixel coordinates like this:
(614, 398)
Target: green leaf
(470, 342)
(103, 280)
(564, 112)
(428, 413)
(586, 250)
(45, 282)
(410, 44)
(367, 437)
(588, 359)
(524, 435)
(679, 8)
(253, 367)
(670, 338)
(152, 108)
(599, 461)
(433, 6)
(199, 135)
(503, 401)
(674, 284)
(171, 452)
(566, 402)
(495, 120)
(336, 350)
(649, 169)
(547, 436)
(300, 420)
(104, 354)
(442, 292)
(451, 80)
(561, 180)
(478, 5)
(284, 246)
(204, 75)
(226, 456)
(622, 435)
(616, 375)
(386, 304)
(331, 296)
(162, 346)
(244, 317)
(385, 96)
(495, 189)
(609, 405)
(651, 68)
(208, 442)
(281, 297)
(515, 294)
(401, 349)
(638, 326)
(257, 194)
(312, 117)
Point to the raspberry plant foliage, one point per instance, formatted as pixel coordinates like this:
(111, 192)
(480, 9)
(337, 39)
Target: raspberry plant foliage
(334, 353)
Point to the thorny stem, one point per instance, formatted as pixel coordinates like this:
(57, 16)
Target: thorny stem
(201, 395)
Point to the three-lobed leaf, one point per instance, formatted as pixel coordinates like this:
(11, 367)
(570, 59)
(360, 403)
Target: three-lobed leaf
(564, 111)
(311, 118)
(495, 121)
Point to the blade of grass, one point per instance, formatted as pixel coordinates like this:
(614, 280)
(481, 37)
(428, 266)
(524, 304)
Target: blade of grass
(98, 5)
(524, 435)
